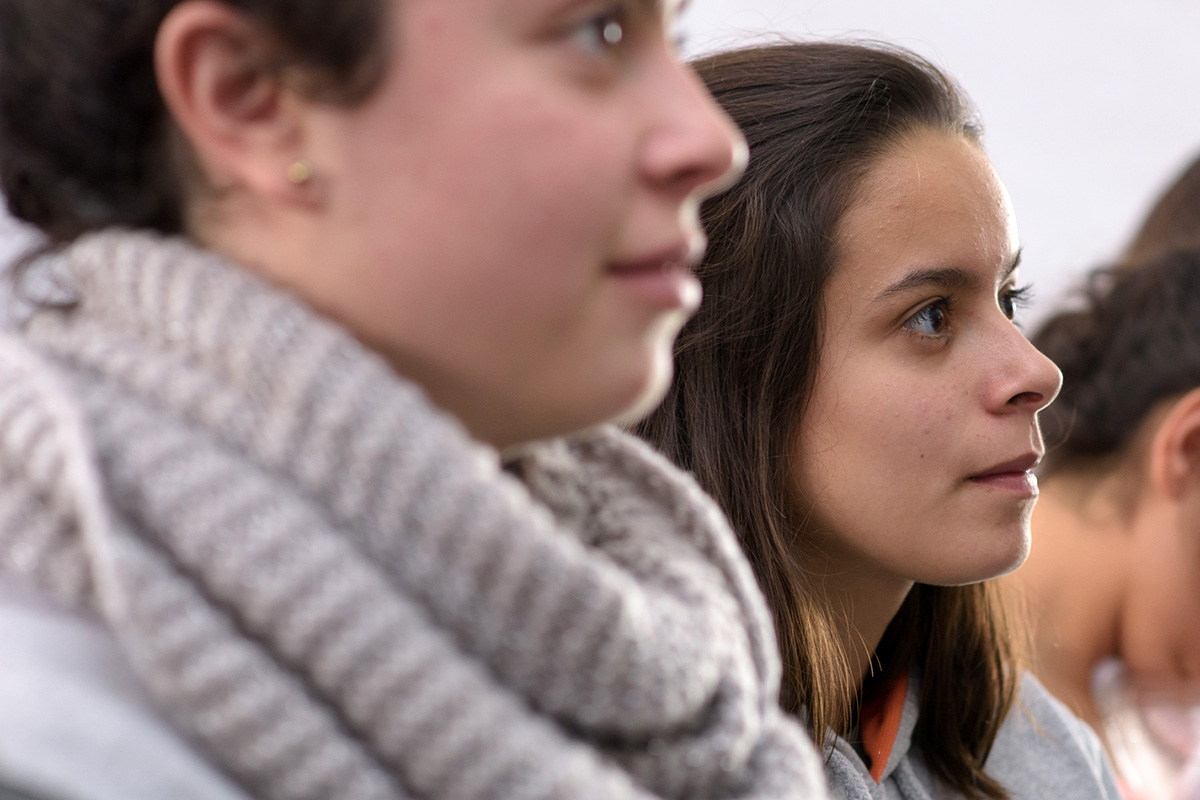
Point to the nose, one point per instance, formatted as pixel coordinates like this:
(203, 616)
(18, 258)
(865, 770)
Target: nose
(1027, 380)
(693, 147)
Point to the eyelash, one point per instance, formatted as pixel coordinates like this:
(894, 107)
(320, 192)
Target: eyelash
(1018, 298)
(942, 306)
(1010, 301)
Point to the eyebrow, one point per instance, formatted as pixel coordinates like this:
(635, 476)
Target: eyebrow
(948, 278)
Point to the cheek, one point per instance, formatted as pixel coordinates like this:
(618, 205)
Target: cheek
(521, 218)
(556, 142)
(868, 448)
(903, 425)
(486, 142)
(878, 419)
(545, 186)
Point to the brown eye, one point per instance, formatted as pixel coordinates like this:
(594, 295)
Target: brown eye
(930, 320)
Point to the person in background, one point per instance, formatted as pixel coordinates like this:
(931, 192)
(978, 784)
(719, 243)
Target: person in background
(1141, 702)
(294, 502)
(1113, 580)
(854, 393)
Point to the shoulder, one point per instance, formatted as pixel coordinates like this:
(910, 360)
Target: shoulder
(76, 725)
(1043, 750)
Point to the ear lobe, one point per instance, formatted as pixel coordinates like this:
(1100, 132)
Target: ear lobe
(218, 75)
(1175, 447)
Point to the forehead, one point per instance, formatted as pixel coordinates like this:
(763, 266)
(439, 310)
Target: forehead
(931, 200)
(926, 164)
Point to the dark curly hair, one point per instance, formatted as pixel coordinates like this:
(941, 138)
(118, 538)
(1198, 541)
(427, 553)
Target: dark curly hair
(1134, 342)
(85, 139)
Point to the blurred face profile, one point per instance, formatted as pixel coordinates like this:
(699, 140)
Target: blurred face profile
(917, 448)
(515, 208)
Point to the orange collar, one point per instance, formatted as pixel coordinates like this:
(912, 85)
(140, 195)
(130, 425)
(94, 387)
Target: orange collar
(879, 721)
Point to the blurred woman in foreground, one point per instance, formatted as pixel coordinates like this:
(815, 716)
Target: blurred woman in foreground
(313, 268)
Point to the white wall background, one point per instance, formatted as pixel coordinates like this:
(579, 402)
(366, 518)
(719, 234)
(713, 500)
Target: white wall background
(1090, 108)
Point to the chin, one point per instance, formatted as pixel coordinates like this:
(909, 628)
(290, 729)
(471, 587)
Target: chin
(648, 393)
(1017, 560)
(618, 390)
(991, 565)
(591, 404)
(641, 406)
(1004, 538)
(977, 553)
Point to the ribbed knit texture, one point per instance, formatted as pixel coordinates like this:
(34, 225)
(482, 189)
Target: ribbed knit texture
(338, 593)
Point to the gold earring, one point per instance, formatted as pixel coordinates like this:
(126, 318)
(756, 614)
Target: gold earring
(300, 172)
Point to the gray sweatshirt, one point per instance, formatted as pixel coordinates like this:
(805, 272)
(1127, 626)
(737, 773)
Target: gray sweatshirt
(1042, 752)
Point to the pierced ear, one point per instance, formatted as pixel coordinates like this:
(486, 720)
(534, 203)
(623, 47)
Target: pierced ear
(217, 72)
(1175, 447)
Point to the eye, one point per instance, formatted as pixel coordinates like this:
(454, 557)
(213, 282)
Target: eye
(602, 33)
(1011, 299)
(931, 320)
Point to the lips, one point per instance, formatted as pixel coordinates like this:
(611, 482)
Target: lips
(662, 278)
(676, 257)
(1015, 475)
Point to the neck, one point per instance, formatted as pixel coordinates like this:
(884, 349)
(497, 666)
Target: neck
(1073, 582)
(863, 603)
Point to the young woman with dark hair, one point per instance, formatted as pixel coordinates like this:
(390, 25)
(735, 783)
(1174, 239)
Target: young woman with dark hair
(312, 268)
(855, 395)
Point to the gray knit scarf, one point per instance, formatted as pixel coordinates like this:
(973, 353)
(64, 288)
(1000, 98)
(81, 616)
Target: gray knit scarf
(335, 591)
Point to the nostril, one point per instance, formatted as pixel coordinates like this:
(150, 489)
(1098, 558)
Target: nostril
(1026, 398)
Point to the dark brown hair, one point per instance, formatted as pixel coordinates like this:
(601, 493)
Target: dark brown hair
(1174, 221)
(85, 139)
(817, 116)
(1134, 343)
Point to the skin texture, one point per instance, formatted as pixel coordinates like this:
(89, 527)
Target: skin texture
(507, 219)
(1118, 562)
(921, 387)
